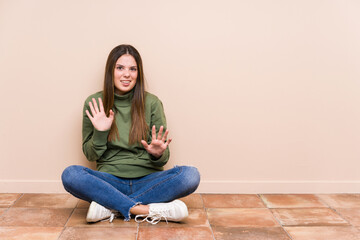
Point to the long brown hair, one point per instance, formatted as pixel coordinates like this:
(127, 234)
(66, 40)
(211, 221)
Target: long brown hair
(139, 129)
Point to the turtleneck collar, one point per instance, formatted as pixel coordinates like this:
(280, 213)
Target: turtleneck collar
(123, 100)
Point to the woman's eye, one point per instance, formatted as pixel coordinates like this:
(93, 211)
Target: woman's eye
(133, 69)
(120, 68)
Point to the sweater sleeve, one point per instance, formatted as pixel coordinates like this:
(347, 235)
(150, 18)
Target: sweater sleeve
(94, 142)
(158, 119)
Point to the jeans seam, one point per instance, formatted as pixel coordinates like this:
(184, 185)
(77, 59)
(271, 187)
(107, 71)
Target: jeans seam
(121, 182)
(150, 179)
(167, 179)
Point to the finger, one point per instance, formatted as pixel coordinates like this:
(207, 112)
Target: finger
(165, 135)
(88, 114)
(153, 132)
(95, 105)
(92, 109)
(168, 142)
(146, 146)
(101, 105)
(111, 115)
(160, 133)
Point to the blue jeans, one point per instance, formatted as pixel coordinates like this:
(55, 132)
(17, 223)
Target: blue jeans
(122, 194)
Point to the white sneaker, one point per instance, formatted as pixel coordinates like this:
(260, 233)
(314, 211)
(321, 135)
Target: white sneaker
(97, 213)
(174, 211)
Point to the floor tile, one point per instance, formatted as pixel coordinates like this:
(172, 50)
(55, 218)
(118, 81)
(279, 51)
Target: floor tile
(78, 219)
(352, 215)
(292, 201)
(341, 200)
(83, 204)
(46, 201)
(96, 233)
(36, 217)
(187, 233)
(323, 233)
(231, 216)
(30, 233)
(193, 201)
(232, 201)
(308, 217)
(241, 217)
(197, 218)
(227, 233)
(2, 210)
(8, 199)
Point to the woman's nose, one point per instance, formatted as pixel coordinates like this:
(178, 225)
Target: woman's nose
(126, 73)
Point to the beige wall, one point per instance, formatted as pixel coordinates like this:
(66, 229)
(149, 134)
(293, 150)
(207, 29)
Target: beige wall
(262, 96)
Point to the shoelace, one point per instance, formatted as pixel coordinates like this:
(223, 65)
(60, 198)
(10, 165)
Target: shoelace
(153, 218)
(111, 219)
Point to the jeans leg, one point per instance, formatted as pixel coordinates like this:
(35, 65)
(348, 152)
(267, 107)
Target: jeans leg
(103, 188)
(166, 186)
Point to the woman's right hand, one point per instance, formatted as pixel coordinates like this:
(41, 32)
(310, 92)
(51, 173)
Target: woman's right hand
(98, 117)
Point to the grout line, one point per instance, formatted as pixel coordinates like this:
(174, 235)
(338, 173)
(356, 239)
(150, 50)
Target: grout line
(262, 200)
(17, 200)
(10, 206)
(338, 213)
(207, 217)
(72, 212)
(322, 201)
(67, 222)
(137, 231)
(333, 209)
(282, 227)
(77, 204)
(62, 231)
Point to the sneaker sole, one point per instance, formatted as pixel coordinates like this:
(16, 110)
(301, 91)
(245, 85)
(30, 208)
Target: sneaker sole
(92, 213)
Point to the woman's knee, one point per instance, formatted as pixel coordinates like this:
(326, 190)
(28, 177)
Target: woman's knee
(191, 177)
(70, 174)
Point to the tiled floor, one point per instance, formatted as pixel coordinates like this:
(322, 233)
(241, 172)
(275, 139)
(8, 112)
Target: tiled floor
(211, 216)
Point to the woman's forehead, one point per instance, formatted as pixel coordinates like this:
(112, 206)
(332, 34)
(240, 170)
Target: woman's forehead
(126, 60)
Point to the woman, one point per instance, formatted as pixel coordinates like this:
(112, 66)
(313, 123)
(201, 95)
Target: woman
(124, 131)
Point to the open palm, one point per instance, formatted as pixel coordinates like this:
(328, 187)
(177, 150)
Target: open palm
(158, 144)
(98, 116)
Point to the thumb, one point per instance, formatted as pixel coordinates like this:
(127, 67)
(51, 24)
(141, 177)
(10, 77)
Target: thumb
(168, 142)
(111, 114)
(146, 146)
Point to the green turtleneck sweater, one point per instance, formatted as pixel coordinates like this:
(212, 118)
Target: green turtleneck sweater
(118, 157)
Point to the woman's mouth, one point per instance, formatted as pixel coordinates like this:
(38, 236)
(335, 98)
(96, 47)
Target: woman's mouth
(125, 82)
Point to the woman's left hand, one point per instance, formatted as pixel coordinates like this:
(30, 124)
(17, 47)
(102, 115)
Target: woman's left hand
(158, 144)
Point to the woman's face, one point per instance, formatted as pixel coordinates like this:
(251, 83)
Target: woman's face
(125, 74)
